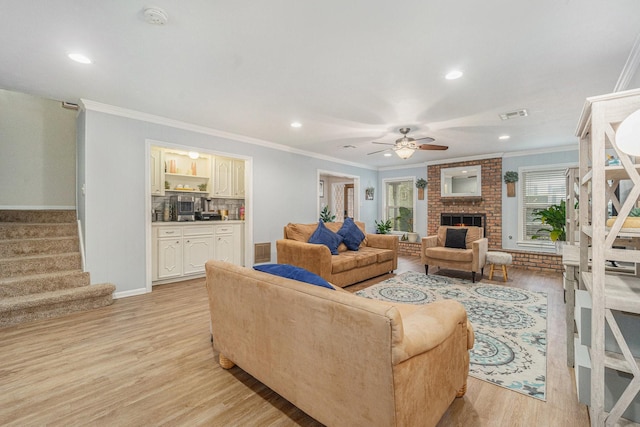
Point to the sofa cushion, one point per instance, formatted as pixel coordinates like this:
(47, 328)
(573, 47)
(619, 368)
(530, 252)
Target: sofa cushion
(364, 257)
(295, 273)
(352, 235)
(385, 255)
(300, 232)
(344, 262)
(440, 252)
(456, 238)
(324, 236)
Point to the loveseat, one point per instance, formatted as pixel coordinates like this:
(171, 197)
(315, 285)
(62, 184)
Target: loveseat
(376, 255)
(345, 360)
(460, 248)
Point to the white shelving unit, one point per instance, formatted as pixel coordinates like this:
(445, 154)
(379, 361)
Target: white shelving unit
(611, 292)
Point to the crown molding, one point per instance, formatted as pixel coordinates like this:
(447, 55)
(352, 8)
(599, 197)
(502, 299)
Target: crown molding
(88, 105)
(557, 149)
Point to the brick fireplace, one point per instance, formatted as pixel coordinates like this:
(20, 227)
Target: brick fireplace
(488, 205)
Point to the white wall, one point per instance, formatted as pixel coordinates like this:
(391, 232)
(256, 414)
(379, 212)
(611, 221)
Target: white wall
(37, 154)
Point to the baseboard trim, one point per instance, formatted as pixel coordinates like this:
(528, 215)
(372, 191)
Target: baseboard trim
(131, 293)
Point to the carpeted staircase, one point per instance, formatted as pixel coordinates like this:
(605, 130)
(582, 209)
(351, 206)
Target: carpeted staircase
(41, 268)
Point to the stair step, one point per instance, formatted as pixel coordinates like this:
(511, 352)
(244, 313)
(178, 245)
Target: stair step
(16, 230)
(42, 246)
(38, 216)
(25, 266)
(45, 305)
(25, 285)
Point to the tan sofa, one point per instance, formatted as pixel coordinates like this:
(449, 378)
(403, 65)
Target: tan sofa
(472, 259)
(378, 254)
(343, 359)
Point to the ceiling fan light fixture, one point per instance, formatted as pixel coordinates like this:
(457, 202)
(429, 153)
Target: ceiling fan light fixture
(404, 152)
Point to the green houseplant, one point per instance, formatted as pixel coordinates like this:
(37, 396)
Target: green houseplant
(421, 184)
(510, 178)
(383, 227)
(326, 215)
(405, 223)
(555, 216)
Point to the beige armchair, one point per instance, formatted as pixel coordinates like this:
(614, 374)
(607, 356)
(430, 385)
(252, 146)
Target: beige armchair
(472, 258)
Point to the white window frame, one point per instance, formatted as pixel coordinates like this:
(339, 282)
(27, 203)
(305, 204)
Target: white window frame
(522, 241)
(414, 193)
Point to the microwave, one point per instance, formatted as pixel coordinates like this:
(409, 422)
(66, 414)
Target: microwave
(183, 208)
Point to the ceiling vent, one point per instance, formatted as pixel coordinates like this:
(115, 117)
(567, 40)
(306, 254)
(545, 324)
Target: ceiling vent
(349, 146)
(514, 114)
(154, 15)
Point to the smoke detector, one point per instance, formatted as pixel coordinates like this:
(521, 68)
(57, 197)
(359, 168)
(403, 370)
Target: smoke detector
(155, 16)
(514, 114)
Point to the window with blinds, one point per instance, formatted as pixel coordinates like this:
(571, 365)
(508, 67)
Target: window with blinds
(540, 188)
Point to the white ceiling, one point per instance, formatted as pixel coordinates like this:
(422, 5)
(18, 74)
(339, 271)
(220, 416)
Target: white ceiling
(351, 72)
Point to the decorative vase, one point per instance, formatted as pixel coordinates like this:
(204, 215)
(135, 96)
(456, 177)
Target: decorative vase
(412, 237)
(511, 189)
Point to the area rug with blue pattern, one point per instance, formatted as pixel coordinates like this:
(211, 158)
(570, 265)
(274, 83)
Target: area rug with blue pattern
(510, 325)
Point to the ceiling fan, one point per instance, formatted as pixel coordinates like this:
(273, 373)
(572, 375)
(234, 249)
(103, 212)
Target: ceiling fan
(405, 147)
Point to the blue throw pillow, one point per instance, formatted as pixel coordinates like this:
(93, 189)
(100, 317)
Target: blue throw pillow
(295, 273)
(324, 236)
(352, 236)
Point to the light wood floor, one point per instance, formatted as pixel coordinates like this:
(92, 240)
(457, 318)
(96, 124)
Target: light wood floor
(147, 360)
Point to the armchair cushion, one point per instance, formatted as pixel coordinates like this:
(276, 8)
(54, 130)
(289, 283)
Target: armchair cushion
(456, 238)
(351, 234)
(295, 273)
(324, 236)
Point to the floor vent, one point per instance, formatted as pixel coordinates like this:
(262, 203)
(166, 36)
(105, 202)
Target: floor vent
(262, 252)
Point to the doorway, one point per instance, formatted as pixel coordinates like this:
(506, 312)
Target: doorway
(337, 192)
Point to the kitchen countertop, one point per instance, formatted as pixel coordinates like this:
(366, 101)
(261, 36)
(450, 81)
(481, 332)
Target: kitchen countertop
(181, 223)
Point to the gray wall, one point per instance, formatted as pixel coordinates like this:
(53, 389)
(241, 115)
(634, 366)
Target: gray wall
(284, 189)
(38, 153)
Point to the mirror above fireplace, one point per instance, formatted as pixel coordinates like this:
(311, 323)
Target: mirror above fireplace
(463, 181)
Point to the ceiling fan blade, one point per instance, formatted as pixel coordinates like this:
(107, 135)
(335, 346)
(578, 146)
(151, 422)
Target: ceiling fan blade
(382, 143)
(433, 147)
(379, 151)
(425, 139)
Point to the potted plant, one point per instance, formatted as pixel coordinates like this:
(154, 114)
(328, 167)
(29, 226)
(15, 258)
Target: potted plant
(383, 227)
(326, 216)
(555, 216)
(421, 183)
(510, 178)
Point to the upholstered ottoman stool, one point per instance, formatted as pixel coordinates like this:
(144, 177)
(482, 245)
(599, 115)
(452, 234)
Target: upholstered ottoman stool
(499, 258)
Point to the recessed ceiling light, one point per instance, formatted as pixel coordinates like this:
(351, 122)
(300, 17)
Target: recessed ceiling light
(194, 154)
(296, 125)
(452, 75)
(78, 57)
(387, 154)
(503, 137)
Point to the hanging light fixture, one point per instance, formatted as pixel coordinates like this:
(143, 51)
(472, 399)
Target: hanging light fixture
(404, 152)
(628, 135)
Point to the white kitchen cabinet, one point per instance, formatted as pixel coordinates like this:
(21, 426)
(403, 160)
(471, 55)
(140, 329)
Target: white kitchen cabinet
(169, 254)
(181, 250)
(228, 177)
(197, 244)
(156, 168)
(228, 243)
